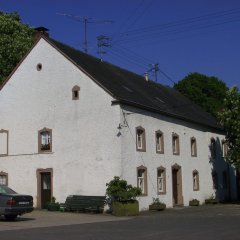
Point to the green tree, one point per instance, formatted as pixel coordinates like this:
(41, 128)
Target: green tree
(230, 118)
(207, 92)
(16, 39)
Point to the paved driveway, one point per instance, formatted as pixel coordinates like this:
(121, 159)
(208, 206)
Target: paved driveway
(43, 218)
(220, 222)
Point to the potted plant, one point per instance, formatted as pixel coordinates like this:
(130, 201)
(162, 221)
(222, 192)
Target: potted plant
(157, 205)
(194, 202)
(53, 205)
(121, 197)
(211, 200)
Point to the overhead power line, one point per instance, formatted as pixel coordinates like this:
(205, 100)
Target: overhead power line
(85, 21)
(201, 22)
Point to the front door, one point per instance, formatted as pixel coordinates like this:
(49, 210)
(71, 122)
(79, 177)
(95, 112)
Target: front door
(44, 186)
(45, 189)
(177, 185)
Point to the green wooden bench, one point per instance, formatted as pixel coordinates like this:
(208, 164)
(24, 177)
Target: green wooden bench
(79, 203)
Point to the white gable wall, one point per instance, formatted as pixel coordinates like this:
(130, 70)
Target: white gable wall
(86, 151)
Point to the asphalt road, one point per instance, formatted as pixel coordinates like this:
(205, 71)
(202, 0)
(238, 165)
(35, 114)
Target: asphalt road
(208, 222)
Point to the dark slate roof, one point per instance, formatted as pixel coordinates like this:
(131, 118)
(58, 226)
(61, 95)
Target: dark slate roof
(131, 89)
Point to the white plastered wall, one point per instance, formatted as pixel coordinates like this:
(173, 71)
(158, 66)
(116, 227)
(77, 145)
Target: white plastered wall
(152, 160)
(85, 148)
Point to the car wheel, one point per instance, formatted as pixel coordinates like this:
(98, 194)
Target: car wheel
(10, 217)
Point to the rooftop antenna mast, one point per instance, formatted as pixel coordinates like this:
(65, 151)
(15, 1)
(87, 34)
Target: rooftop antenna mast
(103, 41)
(154, 68)
(85, 21)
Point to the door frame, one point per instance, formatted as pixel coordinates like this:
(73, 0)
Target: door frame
(178, 170)
(39, 178)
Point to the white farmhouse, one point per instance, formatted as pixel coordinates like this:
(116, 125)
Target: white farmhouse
(70, 123)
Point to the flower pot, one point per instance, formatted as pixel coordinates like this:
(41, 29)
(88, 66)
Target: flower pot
(157, 207)
(53, 207)
(127, 208)
(194, 203)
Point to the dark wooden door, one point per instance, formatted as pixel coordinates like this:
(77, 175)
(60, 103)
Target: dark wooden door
(45, 188)
(175, 186)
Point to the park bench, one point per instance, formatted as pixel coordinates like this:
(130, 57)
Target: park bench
(79, 203)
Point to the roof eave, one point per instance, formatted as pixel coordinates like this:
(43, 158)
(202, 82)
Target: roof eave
(150, 109)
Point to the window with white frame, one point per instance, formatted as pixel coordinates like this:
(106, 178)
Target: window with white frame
(45, 140)
(224, 148)
(195, 180)
(142, 179)
(193, 142)
(175, 144)
(140, 139)
(213, 148)
(225, 179)
(159, 142)
(3, 142)
(215, 179)
(161, 180)
(3, 179)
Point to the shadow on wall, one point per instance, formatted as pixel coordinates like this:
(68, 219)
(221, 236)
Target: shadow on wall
(224, 174)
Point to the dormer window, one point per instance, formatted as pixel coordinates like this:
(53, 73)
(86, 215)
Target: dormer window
(45, 140)
(75, 92)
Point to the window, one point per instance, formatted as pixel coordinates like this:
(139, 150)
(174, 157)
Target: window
(75, 92)
(225, 179)
(175, 144)
(193, 147)
(161, 180)
(215, 179)
(213, 148)
(159, 142)
(3, 179)
(142, 179)
(39, 67)
(3, 142)
(195, 180)
(224, 148)
(45, 140)
(140, 139)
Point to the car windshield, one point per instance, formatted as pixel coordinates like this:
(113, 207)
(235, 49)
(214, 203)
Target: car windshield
(4, 189)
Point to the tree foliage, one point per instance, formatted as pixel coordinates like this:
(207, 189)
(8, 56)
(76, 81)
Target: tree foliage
(119, 190)
(207, 92)
(230, 118)
(15, 40)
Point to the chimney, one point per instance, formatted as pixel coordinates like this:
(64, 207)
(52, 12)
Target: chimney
(40, 31)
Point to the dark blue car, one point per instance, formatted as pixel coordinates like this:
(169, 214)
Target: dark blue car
(13, 204)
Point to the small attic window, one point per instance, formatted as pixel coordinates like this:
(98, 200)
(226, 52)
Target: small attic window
(128, 89)
(75, 92)
(39, 66)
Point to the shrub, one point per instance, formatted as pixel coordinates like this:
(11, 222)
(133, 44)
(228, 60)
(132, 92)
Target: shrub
(119, 190)
(157, 205)
(194, 202)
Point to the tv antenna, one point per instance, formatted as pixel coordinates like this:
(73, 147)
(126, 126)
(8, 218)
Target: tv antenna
(154, 68)
(85, 21)
(103, 41)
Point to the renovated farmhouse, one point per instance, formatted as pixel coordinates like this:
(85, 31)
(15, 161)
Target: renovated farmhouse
(71, 122)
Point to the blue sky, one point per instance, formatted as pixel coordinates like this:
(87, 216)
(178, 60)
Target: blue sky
(182, 36)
